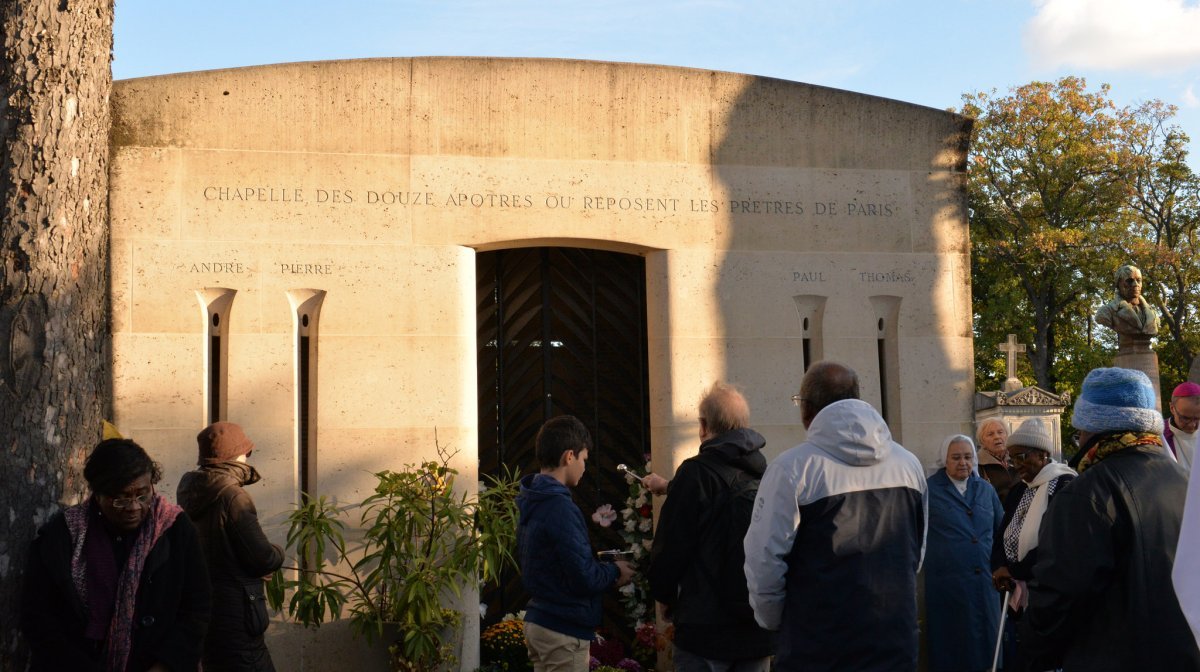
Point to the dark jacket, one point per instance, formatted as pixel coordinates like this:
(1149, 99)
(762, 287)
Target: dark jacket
(1101, 598)
(684, 559)
(170, 615)
(238, 556)
(1023, 569)
(1002, 477)
(564, 579)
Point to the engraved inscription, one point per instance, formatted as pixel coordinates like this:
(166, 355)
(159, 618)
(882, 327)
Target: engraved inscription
(808, 276)
(637, 203)
(767, 207)
(260, 194)
(869, 209)
(889, 276)
(400, 197)
(306, 269)
(217, 267)
(794, 205)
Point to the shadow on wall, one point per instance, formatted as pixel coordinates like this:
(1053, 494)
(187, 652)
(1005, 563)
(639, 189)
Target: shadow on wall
(844, 238)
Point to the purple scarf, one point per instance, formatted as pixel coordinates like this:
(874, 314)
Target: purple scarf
(120, 632)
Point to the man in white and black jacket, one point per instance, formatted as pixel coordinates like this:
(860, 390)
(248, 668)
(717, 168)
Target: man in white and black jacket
(837, 537)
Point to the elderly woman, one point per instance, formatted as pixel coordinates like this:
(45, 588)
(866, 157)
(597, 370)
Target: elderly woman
(1013, 558)
(962, 610)
(994, 465)
(118, 582)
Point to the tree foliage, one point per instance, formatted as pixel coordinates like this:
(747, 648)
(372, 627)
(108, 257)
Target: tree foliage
(1063, 188)
(1162, 236)
(1047, 181)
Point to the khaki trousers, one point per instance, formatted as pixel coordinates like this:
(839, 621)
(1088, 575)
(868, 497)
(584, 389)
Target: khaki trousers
(551, 651)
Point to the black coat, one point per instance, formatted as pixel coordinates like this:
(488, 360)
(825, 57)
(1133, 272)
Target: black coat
(1002, 478)
(703, 624)
(238, 556)
(1101, 598)
(170, 614)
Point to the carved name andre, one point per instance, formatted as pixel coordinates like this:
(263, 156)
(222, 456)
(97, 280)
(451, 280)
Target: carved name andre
(235, 267)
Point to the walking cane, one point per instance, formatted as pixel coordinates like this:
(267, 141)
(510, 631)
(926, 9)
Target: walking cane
(1000, 633)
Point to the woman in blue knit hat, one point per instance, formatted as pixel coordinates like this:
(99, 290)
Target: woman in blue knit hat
(1101, 598)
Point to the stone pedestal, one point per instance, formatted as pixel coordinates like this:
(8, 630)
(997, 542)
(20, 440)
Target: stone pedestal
(1133, 352)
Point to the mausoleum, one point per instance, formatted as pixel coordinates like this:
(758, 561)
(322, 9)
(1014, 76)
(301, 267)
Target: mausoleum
(350, 258)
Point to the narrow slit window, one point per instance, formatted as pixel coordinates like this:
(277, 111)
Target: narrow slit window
(881, 352)
(811, 309)
(887, 350)
(216, 302)
(306, 312)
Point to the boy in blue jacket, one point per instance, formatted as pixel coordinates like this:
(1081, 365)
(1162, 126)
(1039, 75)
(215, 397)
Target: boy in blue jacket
(564, 579)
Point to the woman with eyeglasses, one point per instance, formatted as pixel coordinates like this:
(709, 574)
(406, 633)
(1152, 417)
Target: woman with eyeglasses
(962, 612)
(118, 582)
(1013, 559)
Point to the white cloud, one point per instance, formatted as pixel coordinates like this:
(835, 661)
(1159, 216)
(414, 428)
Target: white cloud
(1188, 97)
(1152, 35)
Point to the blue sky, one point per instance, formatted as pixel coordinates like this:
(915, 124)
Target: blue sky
(921, 51)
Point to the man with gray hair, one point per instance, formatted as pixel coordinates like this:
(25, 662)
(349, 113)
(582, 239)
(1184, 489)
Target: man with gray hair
(696, 563)
(838, 535)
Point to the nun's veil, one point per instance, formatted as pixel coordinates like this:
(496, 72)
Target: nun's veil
(940, 462)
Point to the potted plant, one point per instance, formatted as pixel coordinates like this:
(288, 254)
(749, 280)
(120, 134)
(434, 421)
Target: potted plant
(423, 542)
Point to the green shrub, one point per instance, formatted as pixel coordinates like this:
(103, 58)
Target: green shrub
(422, 542)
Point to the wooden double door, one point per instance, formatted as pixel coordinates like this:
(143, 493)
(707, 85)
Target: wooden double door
(562, 331)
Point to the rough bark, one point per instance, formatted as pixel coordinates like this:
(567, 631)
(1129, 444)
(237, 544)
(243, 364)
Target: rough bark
(55, 80)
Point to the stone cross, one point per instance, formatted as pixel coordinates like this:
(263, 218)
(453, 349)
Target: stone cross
(1011, 348)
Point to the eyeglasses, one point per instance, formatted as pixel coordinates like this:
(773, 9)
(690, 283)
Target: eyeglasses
(1023, 455)
(797, 399)
(1186, 420)
(128, 502)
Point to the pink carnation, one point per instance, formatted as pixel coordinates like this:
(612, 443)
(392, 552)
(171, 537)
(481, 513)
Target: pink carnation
(604, 515)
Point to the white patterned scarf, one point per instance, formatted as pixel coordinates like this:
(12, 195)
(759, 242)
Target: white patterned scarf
(1028, 539)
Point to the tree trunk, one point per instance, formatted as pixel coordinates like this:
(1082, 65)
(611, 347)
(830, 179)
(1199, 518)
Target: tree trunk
(55, 369)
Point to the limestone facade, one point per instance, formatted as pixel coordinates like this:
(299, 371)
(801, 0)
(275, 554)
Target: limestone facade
(343, 203)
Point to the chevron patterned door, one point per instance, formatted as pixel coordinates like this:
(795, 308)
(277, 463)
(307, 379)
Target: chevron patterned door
(563, 331)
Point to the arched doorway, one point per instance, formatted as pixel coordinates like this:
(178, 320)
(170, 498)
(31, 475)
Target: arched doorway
(562, 330)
